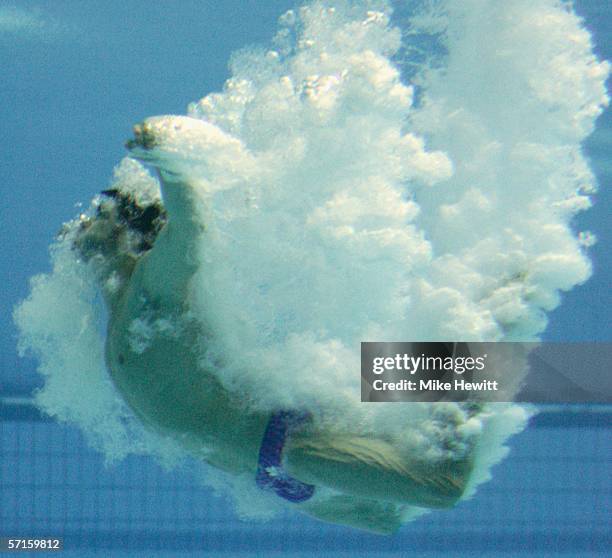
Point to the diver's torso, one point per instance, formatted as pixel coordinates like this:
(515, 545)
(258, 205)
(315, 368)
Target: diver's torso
(152, 357)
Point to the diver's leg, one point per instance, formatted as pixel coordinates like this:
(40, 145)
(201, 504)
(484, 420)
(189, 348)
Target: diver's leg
(374, 469)
(379, 517)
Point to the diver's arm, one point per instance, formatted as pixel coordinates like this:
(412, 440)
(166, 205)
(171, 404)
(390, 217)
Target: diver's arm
(175, 248)
(374, 469)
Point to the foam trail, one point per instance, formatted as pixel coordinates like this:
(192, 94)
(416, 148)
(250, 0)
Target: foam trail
(347, 211)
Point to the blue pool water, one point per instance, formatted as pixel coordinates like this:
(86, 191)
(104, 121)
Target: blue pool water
(551, 497)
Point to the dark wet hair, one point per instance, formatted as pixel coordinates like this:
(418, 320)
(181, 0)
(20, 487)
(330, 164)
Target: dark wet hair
(121, 229)
(144, 220)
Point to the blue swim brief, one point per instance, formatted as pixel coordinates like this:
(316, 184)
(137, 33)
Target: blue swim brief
(270, 473)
